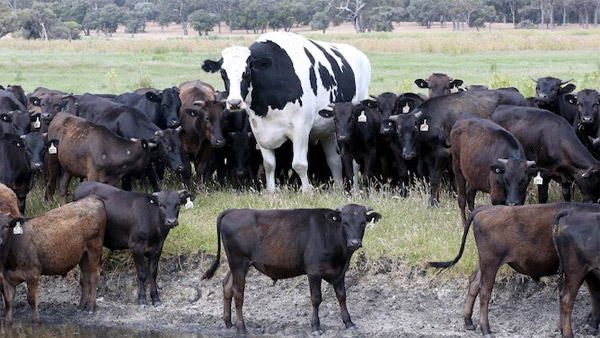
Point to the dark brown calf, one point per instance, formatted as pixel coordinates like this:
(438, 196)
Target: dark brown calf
(577, 237)
(52, 244)
(520, 236)
(289, 243)
(8, 202)
(486, 157)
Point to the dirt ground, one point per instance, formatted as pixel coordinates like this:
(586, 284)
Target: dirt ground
(396, 303)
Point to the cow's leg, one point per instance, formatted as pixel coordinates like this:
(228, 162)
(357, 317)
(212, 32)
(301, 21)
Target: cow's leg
(51, 172)
(566, 191)
(334, 160)
(269, 167)
(239, 268)
(153, 267)
(347, 163)
(201, 163)
(151, 176)
(568, 292)
(227, 296)
(472, 292)
(434, 182)
(8, 291)
(593, 285)
(32, 299)
(84, 281)
(340, 293)
(126, 182)
(63, 185)
(93, 259)
(140, 267)
(471, 193)
(21, 200)
(543, 191)
(300, 159)
(186, 173)
(314, 283)
(369, 159)
(488, 277)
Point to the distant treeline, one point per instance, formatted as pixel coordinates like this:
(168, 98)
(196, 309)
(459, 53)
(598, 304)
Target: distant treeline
(68, 19)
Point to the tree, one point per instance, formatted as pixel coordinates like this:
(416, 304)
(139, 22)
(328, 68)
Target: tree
(202, 21)
(168, 12)
(354, 9)
(482, 15)
(282, 16)
(135, 20)
(425, 12)
(37, 22)
(8, 18)
(109, 18)
(70, 10)
(320, 21)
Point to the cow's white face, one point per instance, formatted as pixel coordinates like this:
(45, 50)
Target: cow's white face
(236, 76)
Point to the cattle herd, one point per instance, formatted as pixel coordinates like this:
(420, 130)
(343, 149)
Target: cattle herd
(295, 103)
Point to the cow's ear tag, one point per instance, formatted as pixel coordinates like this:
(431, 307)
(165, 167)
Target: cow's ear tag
(18, 229)
(257, 147)
(52, 149)
(538, 180)
(37, 124)
(362, 118)
(406, 109)
(424, 126)
(189, 204)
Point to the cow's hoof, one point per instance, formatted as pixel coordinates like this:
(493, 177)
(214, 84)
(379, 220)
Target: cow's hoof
(158, 304)
(351, 328)
(590, 329)
(470, 327)
(317, 333)
(228, 325)
(489, 335)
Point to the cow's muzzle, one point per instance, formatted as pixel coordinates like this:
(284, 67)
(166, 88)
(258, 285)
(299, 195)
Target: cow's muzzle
(171, 222)
(354, 244)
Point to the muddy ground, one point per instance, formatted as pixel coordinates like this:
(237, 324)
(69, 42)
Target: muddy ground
(398, 302)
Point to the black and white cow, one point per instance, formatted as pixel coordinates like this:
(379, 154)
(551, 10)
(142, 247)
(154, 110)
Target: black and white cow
(283, 80)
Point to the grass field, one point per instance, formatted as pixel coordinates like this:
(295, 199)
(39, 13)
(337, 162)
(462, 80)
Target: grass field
(409, 232)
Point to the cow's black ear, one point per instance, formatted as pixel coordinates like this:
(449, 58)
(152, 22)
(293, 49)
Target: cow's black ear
(333, 216)
(456, 83)
(369, 103)
(34, 100)
(192, 112)
(568, 88)
(262, 63)
(16, 221)
(534, 170)
(497, 168)
(54, 142)
(373, 217)
(5, 118)
(184, 195)
(421, 83)
(152, 97)
(326, 113)
(2, 87)
(572, 99)
(211, 66)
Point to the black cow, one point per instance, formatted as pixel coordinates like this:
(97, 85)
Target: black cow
(92, 106)
(18, 92)
(550, 95)
(520, 236)
(36, 144)
(587, 119)
(551, 142)
(439, 84)
(577, 238)
(479, 144)
(288, 243)
(15, 167)
(357, 128)
(140, 222)
(161, 106)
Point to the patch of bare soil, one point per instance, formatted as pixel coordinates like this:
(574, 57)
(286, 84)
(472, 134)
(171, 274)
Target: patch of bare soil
(394, 303)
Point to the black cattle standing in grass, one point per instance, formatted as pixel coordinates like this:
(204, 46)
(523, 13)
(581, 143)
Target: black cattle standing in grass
(520, 236)
(288, 243)
(486, 157)
(587, 119)
(550, 141)
(15, 167)
(577, 238)
(140, 222)
(550, 95)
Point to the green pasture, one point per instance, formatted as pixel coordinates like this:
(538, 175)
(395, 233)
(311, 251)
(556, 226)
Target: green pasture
(410, 232)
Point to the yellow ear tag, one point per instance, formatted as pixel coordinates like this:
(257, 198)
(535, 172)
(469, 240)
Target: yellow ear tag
(424, 126)
(406, 109)
(538, 180)
(362, 118)
(189, 204)
(52, 149)
(18, 230)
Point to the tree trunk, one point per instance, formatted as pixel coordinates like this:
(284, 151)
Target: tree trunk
(542, 13)
(219, 25)
(184, 24)
(564, 14)
(44, 32)
(513, 12)
(552, 15)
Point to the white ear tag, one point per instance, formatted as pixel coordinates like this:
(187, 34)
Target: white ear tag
(52, 149)
(18, 230)
(189, 204)
(257, 147)
(37, 124)
(424, 126)
(371, 224)
(406, 109)
(538, 179)
(362, 118)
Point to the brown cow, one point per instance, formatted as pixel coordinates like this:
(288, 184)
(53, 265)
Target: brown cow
(48, 103)
(282, 244)
(200, 117)
(8, 202)
(577, 237)
(520, 236)
(91, 151)
(52, 244)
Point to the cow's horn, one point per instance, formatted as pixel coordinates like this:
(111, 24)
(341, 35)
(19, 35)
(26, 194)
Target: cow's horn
(565, 82)
(419, 114)
(23, 137)
(134, 139)
(503, 161)
(373, 97)
(199, 103)
(534, 80)
(158, 133)
(530, 163)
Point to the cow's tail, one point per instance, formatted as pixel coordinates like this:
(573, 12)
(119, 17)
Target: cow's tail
(449, 264)
(213, 268)
(555, 232)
